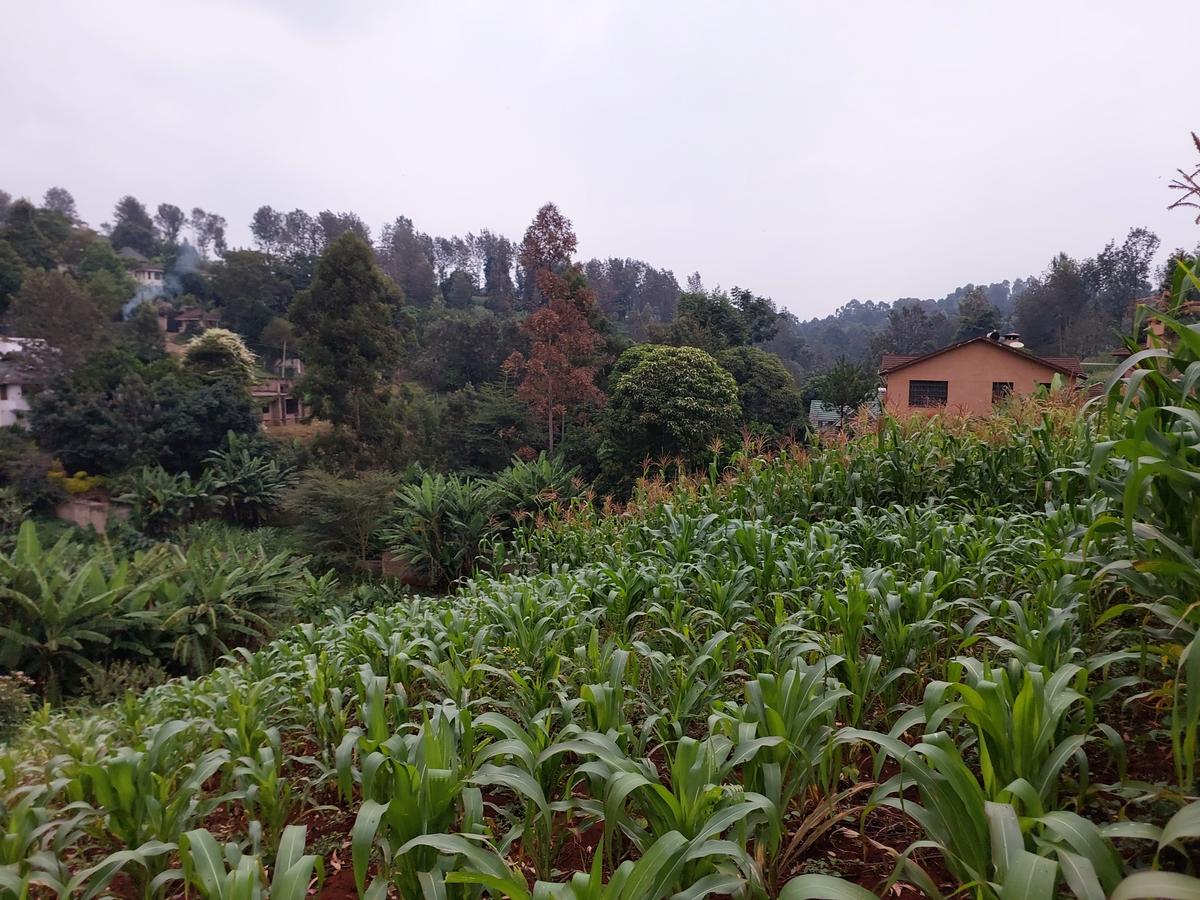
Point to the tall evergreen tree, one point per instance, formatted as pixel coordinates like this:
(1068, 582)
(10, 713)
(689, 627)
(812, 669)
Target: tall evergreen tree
(59, 200)
(133, 227)
(976, 316)
(170, 219)
(346, 337)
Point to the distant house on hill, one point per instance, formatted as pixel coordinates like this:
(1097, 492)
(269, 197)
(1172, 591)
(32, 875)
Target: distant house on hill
(188, 320)
(17, 375)
(149, 280)
(822, 415)
(971, 376)
(277, 398)
(148, 275)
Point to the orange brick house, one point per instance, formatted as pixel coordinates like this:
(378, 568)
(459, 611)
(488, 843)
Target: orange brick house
(971, 376)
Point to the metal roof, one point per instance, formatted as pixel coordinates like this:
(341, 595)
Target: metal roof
(1067, 365)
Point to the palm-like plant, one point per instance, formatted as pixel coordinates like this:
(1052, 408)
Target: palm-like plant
(440, 525)
(535, 488)
(249, 486)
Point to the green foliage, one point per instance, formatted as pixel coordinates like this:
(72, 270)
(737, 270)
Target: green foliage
(715, 321)
(142, 336)
(346, 336)
(12, 273)
(36, 235)
(133, 227)
(976, 315)
(16, 702)
(440, 525)
(667, 402)
(252, 289)
(117, 412)
(337, 520)
(53, 307)
(770, 400)
(845, 387)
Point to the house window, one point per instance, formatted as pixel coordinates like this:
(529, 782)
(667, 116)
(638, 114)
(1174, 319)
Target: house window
(3, 391)
(1045, 385)
(1001, 391)
(927, 393)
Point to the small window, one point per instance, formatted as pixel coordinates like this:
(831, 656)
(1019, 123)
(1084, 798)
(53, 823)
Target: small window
(1045, 385)
(1001, 391)
(927, 393)
(3, 391)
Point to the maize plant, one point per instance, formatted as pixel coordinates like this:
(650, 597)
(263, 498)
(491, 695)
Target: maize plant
(975, 640)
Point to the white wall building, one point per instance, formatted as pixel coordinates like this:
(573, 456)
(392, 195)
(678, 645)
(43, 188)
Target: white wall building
(13, 379)
(13, 405)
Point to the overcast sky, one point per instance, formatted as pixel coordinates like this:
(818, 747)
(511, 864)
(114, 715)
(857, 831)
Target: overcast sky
(811, 152)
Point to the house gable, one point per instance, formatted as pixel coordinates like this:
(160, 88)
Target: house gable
(969, 377)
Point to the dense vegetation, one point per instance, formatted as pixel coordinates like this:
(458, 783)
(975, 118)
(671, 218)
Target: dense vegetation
(950, 657)
(455, 353)
(560, 600)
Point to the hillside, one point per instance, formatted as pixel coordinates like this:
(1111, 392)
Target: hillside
(914, 659)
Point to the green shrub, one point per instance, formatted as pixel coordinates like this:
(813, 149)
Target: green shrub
(13, 511)
(248, 486)
(440, 526)
(115, 680)
(337, 520)
(16, 701)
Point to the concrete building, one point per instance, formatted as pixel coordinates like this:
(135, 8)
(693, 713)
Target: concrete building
(971, 376)
(16, 377)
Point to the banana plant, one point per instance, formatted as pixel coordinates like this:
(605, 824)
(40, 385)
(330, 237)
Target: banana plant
(60, 616)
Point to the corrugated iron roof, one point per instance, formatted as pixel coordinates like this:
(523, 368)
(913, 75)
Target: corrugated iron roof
(822, 414)
(1067, 365)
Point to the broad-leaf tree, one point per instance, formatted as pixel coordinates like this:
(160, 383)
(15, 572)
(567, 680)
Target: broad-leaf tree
(53, 307)
(667, 402)
(845, 387)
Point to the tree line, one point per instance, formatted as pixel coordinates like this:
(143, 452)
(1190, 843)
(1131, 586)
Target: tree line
(457, 353)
